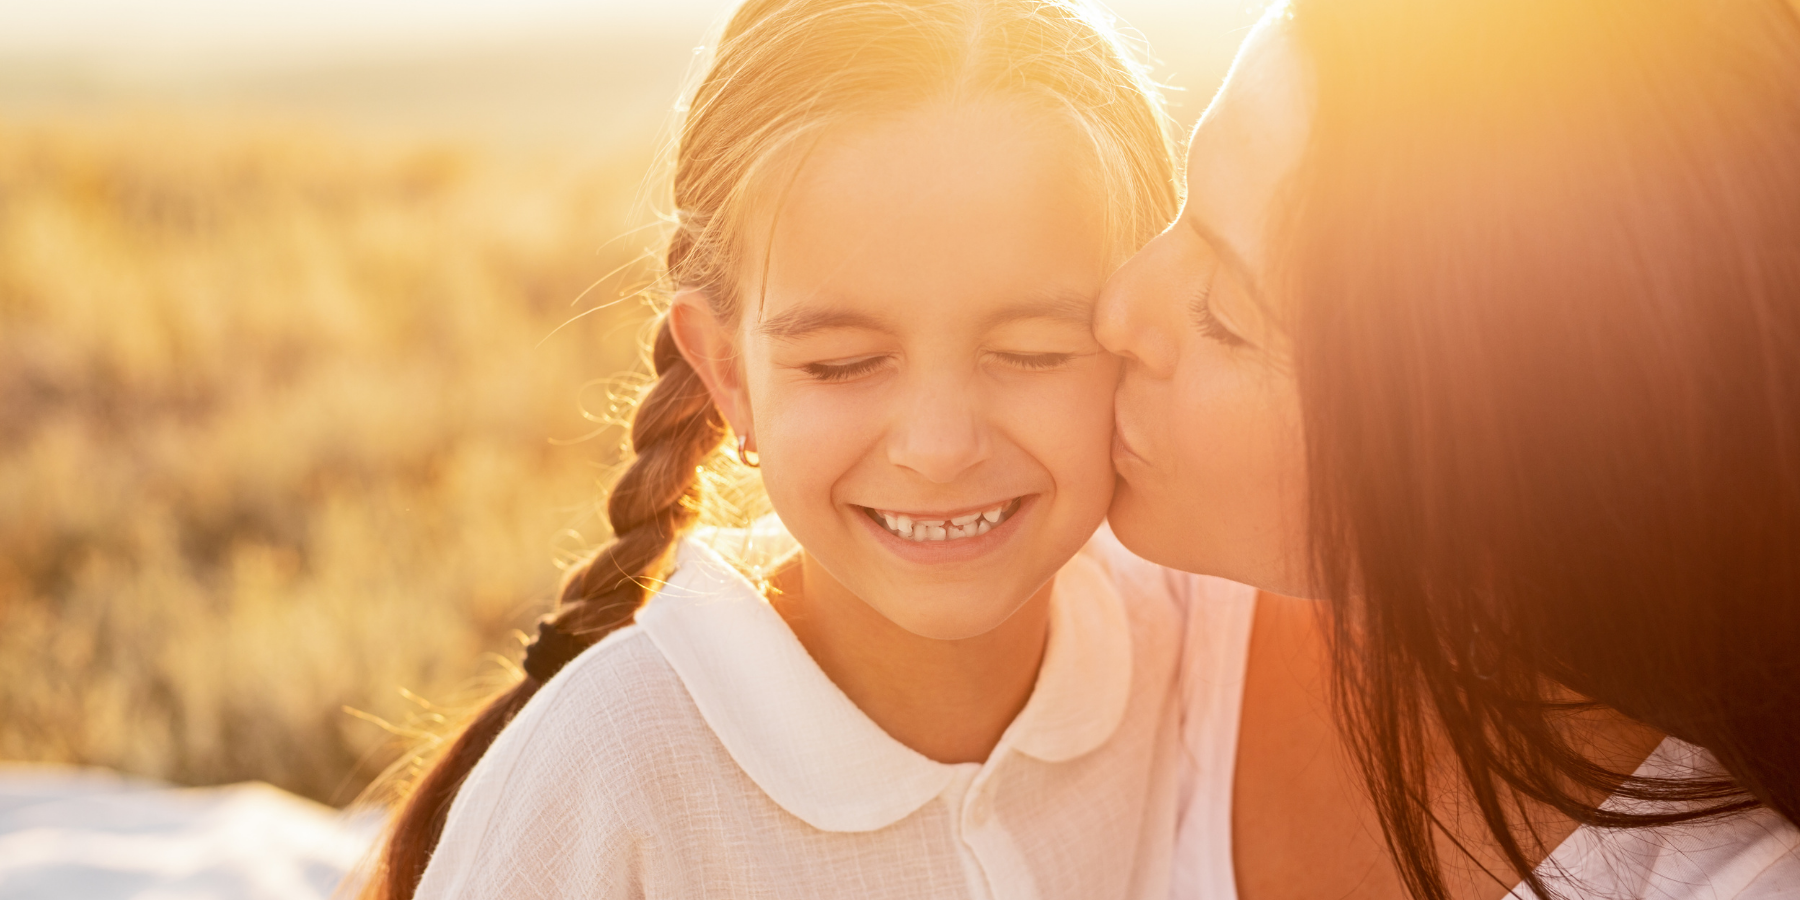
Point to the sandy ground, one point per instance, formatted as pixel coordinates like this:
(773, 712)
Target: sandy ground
(95, 835)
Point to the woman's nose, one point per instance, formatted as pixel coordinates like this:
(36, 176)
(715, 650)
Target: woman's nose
(943, 436)
(1132, 318)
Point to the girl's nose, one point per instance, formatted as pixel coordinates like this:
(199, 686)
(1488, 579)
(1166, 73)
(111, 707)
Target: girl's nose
(1133, 317)
(943, 437)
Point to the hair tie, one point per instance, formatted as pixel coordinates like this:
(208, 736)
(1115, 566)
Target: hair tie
(550, 651)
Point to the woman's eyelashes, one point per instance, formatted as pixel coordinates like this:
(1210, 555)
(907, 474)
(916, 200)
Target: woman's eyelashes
(1207, 321)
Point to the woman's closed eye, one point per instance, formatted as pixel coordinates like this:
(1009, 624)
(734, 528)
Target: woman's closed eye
(1209, 322)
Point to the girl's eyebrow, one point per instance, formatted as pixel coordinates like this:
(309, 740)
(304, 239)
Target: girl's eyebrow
(797, 323)
(1067, 306)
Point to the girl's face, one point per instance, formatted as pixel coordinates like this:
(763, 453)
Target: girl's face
(1210, 458)
(916, 364)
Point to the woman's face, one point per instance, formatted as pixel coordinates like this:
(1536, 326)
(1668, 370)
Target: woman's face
(916, 361)
(1208, 445)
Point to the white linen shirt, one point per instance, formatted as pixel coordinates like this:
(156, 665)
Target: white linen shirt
(702, 753)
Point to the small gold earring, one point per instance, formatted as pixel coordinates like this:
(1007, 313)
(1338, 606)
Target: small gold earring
(746, 455)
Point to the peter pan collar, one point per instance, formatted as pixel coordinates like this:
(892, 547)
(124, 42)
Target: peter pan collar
(810, 748)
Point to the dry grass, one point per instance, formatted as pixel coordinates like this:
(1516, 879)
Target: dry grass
(274, 437)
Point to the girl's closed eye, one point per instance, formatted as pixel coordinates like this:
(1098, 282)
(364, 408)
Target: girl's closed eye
(844, 369)
(1035, 362)
(859, 367)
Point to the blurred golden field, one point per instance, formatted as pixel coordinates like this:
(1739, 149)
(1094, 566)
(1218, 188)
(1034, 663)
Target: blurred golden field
(286, 428)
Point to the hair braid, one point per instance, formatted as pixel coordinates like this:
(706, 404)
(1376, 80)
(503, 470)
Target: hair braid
(656, 498)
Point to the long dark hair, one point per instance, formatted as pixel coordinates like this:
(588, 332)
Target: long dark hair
(1544, 266)
(784, 70)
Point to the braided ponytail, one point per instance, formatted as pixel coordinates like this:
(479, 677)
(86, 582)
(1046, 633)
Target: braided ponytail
(674, 429)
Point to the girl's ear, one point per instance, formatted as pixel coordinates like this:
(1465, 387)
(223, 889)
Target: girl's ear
(711, 350)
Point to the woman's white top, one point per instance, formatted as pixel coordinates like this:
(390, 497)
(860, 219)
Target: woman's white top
(1752, 856)
(702, 753)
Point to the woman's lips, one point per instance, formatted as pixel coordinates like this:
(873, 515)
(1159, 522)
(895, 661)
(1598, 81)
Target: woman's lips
(1122, 451)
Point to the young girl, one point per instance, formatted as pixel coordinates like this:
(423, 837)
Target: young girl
(893, 218)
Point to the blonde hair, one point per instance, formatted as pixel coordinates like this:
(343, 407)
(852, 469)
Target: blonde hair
(783, 73)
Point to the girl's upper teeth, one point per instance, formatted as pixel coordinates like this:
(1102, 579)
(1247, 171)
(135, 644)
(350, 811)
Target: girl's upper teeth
(964, 526)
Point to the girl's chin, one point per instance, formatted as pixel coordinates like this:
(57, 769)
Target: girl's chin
(961, 619)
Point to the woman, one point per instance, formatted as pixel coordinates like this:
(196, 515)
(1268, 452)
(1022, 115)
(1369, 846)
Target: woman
(1482, 325)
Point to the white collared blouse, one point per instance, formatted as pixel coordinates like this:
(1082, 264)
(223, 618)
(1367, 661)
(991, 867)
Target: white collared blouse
(702, 753)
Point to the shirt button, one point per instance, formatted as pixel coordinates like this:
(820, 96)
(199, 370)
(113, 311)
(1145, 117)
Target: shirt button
(980, 811)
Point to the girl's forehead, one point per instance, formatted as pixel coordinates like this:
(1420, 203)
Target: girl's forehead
(977, 206)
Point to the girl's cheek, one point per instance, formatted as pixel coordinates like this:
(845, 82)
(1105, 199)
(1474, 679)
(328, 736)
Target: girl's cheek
(1068, 422)
(810, 435)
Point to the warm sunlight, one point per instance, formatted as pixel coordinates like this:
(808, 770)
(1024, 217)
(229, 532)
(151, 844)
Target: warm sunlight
(658, 449)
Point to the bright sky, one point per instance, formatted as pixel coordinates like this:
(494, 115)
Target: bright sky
(287, 27)
(249, 29)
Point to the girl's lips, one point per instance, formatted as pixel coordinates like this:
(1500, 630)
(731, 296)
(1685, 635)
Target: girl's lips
(953, 514)
(950, 551)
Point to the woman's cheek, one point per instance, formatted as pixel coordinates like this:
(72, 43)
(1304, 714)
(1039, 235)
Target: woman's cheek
(1215, 419)
(1241, 463)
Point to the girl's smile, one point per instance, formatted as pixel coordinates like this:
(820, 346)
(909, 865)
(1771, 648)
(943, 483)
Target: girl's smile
(947, 537)
(950, 526)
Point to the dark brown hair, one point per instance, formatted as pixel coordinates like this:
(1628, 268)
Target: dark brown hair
(784, 71)
(1544, 266)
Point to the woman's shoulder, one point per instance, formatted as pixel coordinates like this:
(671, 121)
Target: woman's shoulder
(1754, 854)
(1749, 856)
(1781, 877)
(1746, 856)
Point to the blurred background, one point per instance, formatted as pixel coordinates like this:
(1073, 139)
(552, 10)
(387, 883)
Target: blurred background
(307, 314)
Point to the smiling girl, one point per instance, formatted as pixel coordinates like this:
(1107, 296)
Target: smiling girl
(892, 221)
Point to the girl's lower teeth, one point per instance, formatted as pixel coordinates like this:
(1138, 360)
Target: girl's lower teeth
(971, 525)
